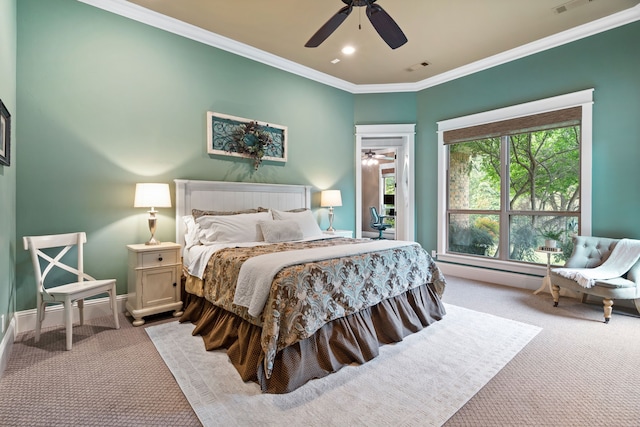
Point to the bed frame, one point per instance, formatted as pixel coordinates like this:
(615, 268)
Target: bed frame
(233, 196)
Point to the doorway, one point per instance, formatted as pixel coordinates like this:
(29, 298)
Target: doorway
(399, 139)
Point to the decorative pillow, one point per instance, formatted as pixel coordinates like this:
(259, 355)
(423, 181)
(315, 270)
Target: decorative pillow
(197, 213)
(280, 231)
(231, 228)
(191, 231)
(305, 220)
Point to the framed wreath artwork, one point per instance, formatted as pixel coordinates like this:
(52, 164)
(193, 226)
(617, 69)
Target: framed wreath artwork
(236, 136)
(5, 135)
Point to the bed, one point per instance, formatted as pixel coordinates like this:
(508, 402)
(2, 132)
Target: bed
(286, 301)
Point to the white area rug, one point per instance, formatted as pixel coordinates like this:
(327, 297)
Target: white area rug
(421, 381)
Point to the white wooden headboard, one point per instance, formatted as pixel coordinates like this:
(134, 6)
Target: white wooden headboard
(233, 196)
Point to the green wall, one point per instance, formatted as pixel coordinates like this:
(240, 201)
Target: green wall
(111, 102)
(8, 174)
(385, 108)
(608, 62)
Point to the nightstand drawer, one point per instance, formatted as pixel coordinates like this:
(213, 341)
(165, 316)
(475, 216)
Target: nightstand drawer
(158, 258)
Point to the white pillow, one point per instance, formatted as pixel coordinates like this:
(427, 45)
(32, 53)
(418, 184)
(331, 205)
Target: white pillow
(305, 220)
(280, 231)
(191, 231)
(231, 228)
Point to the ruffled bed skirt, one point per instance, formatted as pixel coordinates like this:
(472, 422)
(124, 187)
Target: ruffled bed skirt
(352, 339)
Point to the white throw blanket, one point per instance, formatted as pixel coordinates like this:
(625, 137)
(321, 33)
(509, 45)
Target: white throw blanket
(257, 273)
(622, 258)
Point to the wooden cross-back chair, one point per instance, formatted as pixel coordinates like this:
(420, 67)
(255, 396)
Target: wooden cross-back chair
(65, 293)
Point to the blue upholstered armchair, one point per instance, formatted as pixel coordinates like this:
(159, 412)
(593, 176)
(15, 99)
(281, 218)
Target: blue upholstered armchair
(591, 252)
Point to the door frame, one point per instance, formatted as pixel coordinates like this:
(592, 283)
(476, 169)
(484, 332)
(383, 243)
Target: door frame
(401, 137)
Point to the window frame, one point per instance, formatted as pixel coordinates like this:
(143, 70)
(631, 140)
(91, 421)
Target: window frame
(582, 99)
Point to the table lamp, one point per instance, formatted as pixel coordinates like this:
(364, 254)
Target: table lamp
(330, 198)
(152, 195)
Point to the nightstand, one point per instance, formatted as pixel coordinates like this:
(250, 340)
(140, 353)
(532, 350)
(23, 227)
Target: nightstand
(152, 282)
(339, 233)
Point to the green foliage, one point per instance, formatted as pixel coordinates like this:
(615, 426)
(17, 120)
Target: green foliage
(551, 234)
(490, 226)
(543, 173)
(251, 140)
(470, 239)
(523, 244)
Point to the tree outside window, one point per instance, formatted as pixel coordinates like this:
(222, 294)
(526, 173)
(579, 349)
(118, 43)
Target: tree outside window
(508, 192)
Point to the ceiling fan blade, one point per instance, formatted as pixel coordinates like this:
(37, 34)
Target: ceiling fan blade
(329, 27)
(385, 26)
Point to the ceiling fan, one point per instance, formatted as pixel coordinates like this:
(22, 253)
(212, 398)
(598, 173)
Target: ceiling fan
(381, 21)
(370, 157)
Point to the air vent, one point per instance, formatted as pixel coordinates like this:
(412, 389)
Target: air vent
(417, 66)
(570, 5)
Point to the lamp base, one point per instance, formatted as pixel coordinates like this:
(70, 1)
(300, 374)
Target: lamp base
(153, 241)
(152, 228)
(331, 229)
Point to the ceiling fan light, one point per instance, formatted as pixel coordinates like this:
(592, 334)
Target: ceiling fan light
(348, 50)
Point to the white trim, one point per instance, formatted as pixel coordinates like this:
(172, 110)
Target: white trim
(157, 20)
(583, 98)
(7, 344)
(93, 308)
(559, 102)
(175, 26)
(370, 136)
(577, 33)
(505, 278)
(513, 280)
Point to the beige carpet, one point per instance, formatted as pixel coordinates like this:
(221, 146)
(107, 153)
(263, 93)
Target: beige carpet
(422, 381)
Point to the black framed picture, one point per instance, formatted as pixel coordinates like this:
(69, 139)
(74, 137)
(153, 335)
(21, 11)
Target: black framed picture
(5, 135)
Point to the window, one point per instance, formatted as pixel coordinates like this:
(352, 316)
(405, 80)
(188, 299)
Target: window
(388, 194)
(512, 182)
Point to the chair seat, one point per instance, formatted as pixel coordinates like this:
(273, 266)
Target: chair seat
(76, 288)
(616, 283)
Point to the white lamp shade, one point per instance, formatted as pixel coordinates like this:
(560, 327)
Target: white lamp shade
(152, 195)
(330, 198)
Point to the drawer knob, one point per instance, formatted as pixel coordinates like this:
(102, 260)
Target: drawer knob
(160, 258)
(175, 284)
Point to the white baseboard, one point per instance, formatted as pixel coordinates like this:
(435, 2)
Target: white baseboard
(54, 316)
(506, 278)
(6, 344)
(515, 280)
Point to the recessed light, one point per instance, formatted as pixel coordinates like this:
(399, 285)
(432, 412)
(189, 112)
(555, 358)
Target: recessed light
(348, 50)
(335, 61)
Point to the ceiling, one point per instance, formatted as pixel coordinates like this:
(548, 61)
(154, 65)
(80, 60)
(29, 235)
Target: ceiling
(447, 34)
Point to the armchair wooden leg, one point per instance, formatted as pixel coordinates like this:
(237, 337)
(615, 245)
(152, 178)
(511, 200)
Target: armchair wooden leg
(608, 303)
(636, 301)
(555, 292)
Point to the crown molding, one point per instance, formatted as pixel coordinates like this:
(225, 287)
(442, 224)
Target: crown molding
(175, 26)
(172, 25)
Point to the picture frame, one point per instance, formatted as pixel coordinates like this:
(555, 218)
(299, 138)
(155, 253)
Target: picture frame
(5, 135)
(224, 132)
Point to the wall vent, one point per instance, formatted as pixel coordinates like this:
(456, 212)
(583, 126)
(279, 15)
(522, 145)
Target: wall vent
(570, 5)
(417, 66)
